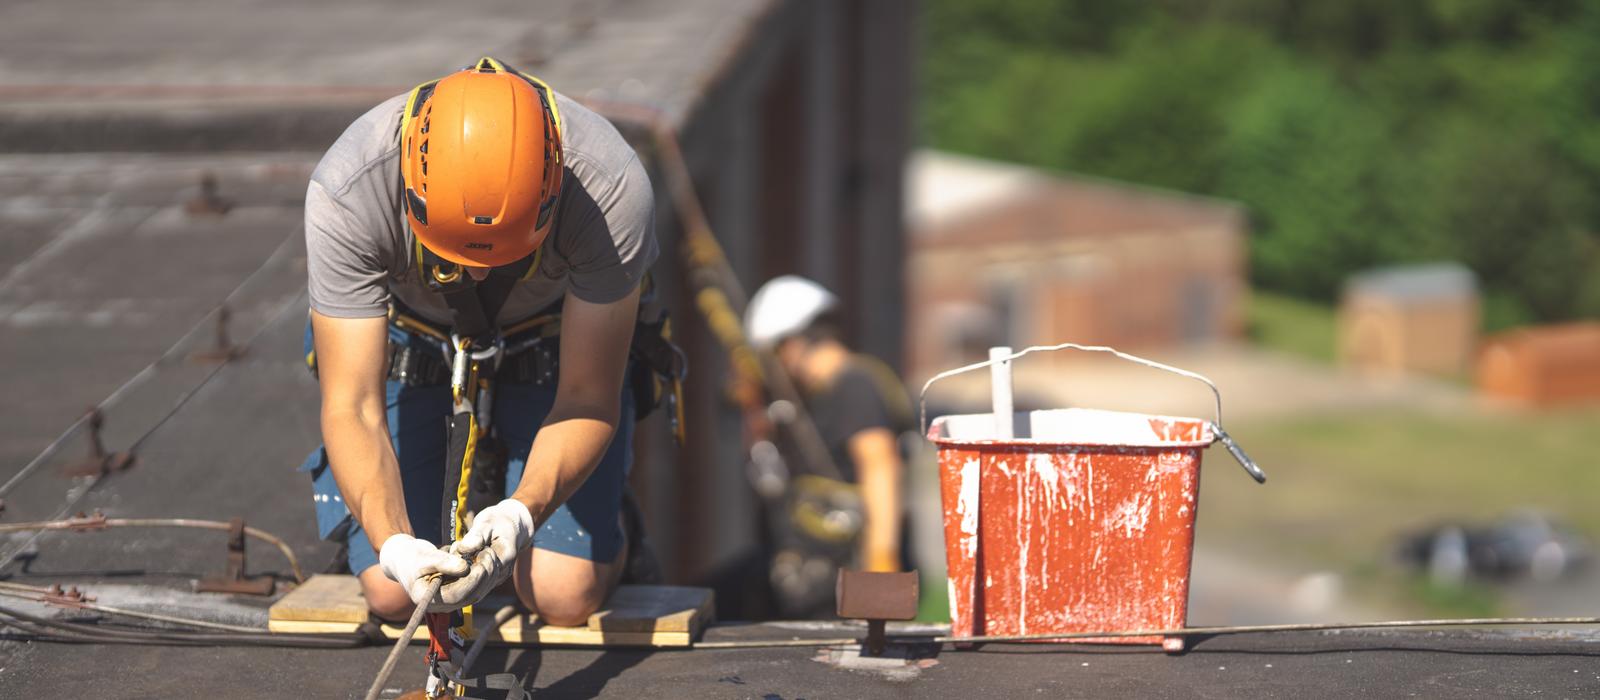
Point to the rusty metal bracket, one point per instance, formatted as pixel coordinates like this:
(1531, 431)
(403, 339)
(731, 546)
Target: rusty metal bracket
(233, 578)
(876, 598)
(98, 462)
(87, 523)
(73, 598)
(223, 350)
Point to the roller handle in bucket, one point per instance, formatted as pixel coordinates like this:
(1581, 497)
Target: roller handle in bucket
(1216, 426)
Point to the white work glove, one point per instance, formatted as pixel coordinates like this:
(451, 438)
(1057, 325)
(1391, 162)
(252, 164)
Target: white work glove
(413, 563)
(498, 534)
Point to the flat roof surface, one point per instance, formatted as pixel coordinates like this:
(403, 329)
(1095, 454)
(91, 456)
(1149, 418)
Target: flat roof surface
(107, 270)
(947, 192)
(109, 75)
(1366, 665)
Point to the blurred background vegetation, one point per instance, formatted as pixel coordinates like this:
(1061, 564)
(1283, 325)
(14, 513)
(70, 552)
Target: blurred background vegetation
(1359, 132)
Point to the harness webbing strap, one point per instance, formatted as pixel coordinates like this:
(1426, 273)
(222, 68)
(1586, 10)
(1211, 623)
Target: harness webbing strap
(474, 306)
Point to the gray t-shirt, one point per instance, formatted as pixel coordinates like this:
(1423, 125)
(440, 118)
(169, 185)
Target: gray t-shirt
(360, 249)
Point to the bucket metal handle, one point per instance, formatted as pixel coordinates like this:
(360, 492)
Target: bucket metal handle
(1216, 426)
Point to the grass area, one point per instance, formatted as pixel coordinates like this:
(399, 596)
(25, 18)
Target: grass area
(1342, 487)
(933, 603)
(1292, 326)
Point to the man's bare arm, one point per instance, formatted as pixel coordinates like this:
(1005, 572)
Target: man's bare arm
(594, 352)
(877, 461)
(350, 364)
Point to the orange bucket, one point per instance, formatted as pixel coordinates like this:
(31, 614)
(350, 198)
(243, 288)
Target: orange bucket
(1071, 520)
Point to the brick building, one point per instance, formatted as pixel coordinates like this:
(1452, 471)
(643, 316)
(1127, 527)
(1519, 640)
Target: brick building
(1542, 365)
(1413, 318)
(1002, 254)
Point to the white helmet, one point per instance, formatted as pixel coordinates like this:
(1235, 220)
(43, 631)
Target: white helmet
(785, 306)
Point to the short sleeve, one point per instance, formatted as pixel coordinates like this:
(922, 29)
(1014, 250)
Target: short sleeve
(344, 276)
(859, 405)
(615, 241)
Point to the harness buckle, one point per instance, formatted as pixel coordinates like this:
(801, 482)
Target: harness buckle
(465, 357)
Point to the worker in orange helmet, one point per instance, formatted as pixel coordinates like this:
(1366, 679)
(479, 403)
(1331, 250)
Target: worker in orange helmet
(475, 253)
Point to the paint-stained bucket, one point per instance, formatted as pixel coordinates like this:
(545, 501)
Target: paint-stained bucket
(1080, 520)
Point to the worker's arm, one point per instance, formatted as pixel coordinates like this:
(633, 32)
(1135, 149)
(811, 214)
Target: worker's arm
(355, 431)
(877, 462)
(594, 354)
(350, 365)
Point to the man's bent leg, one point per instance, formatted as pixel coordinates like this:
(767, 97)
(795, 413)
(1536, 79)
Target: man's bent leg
(566, 589)
(579, 552)
(385, 598)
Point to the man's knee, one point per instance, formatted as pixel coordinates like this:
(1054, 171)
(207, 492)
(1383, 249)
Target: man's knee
(385, 598)
(563, 591)
(568, 608)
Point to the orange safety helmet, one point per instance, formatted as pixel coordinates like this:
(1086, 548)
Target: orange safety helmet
(481, 164)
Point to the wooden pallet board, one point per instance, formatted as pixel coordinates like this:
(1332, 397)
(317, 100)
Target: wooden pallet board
(634, 616)
(322, 598)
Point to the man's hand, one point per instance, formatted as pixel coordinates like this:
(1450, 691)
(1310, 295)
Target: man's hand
(412, 563)
(498, 534)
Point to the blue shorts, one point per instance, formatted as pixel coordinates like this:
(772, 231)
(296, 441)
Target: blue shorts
(585, 526)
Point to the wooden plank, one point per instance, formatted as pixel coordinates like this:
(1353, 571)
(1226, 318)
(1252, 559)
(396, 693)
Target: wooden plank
(323, 598)
(654, 609)
(634, 616)
(527, 630)
(521, 631)
(315, 627)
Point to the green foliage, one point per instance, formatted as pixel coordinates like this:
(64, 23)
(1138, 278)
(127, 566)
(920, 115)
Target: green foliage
(1467, 600)
(1359, 133)
(1293, 326)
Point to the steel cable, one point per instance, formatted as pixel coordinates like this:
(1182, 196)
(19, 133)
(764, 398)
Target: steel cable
(40, 594)
(86, 633)
(95, 523)
(1179, 632)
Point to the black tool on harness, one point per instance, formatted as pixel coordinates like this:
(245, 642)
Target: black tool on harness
(473, 304)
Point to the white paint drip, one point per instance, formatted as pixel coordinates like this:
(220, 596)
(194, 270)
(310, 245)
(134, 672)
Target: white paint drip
(1073, 474)
(1088, 483)
(967, 507)
(1024, 539)
(1044, 465)
(1131, 516)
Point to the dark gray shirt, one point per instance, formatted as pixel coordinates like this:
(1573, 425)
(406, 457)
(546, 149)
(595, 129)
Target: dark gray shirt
(360, 250)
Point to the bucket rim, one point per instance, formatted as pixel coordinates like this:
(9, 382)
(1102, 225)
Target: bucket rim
(1207, 431)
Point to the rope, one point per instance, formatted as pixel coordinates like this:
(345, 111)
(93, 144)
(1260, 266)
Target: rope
(404, 641)
(500, 618)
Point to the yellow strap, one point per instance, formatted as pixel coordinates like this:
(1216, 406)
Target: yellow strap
(460, 525)
(414, 325)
